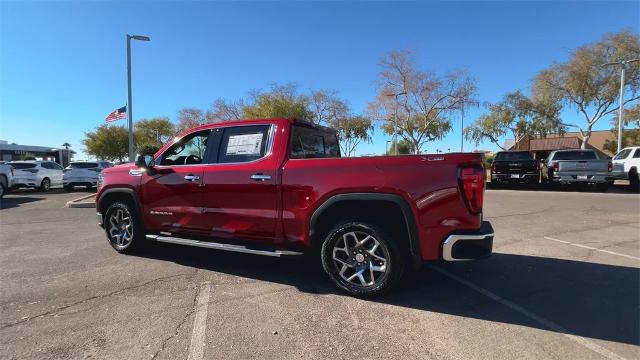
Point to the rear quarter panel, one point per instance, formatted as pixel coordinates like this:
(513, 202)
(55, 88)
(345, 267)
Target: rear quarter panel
(428, 183)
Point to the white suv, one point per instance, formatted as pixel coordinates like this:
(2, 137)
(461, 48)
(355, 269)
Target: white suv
(38, 174)
(626, 165)
(83, 173)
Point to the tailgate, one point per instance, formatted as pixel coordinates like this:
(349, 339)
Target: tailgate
(583, 166)
(515, 167)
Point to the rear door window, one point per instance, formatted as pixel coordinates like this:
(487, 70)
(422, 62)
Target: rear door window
(243, 143)
(575, 155)
(308, 143)
(513, 156)
(622, 154)
(21, 166)
(82, 165)
(636, 154)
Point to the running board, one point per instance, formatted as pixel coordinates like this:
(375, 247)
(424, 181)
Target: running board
(222, 246)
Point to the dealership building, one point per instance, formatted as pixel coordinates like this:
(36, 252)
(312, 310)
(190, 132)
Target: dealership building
(15, 152)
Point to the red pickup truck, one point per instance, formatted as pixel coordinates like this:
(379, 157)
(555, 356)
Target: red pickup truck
(278, 187)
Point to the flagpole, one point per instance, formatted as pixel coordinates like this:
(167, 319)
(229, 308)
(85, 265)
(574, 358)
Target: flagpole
(129, 107)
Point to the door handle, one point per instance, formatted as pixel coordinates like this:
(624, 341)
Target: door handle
(192, 177)
(260, 177)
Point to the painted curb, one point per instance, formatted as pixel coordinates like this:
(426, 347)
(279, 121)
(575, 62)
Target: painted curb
(81, 203)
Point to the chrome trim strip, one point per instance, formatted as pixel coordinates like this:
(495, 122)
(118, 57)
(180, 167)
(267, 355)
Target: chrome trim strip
(221, 246)
(447, 246)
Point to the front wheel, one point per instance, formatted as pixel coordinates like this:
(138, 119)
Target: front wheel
(634, 180)
(45, 185)
(361, 259)
(123, 227)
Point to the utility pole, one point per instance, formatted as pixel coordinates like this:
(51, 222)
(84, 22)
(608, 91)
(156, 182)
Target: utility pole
(129, 106)
(620, 115)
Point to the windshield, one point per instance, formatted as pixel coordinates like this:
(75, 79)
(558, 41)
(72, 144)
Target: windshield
(513, 156)
(575, 155)
(82, 165)
(23, 165)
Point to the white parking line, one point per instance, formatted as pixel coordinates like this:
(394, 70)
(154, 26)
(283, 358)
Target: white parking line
(196, 348)
(591, 248)
(542, 321)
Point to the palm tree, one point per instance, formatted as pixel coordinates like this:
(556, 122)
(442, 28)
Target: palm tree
(66, 145)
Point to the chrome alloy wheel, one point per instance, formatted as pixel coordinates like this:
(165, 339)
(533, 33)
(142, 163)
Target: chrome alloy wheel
(120, 228)
(361, 259)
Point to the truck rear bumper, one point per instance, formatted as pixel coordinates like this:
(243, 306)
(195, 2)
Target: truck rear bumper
(515, 177)
(469, 245)
(570, 179)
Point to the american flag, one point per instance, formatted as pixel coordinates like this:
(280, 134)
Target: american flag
(117, 114)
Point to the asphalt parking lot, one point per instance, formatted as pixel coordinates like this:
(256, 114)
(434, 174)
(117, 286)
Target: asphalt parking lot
(563, 284)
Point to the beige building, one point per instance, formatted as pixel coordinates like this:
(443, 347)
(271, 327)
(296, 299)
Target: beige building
(541, 147)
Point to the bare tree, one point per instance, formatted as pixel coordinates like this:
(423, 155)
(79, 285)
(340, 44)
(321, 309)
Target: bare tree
(584, 84)
(417, 105)
(326, 106)
(221, 111)
(189, 118)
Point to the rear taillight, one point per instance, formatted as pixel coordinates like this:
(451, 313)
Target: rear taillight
(472, 187)
(555, 165)
(537, 165)
(493, 167)
(610, 166)
(13, 171)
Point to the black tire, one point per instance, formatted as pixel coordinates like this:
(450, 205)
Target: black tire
(128, 241)
(68, 188)
(634, 182)
(45, 185)
(361, 258)
(2, 190)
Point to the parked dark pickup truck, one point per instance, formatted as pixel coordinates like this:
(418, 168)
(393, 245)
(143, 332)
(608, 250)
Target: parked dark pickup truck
(515, 167)
(278, 187)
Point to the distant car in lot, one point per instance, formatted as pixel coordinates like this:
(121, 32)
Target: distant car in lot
(577, 167)
(37, 174)
(515, 167)
(6, 178)
(626, 164)
(83, 173)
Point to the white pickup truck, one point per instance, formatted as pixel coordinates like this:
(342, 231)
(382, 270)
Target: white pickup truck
(577, 167)
(6, 178)
(626, 164)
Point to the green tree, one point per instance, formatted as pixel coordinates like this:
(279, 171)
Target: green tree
(108, 142)
(152, 133)
(282, 101)
(404, 148)
(583, 82)
(416, 105)
(66, 145)
(351, 131)
(513, 116)
(631, 132)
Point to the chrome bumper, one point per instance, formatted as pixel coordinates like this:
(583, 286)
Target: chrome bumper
(469, 245)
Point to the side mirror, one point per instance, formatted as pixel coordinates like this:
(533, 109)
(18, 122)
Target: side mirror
(145, 161)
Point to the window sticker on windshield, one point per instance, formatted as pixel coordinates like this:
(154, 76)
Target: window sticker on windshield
(247, 144)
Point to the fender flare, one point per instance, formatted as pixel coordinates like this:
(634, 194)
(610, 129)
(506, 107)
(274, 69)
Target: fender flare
(407, 213)
(121, 190)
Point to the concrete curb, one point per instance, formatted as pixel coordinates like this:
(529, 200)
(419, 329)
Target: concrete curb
(81, 203)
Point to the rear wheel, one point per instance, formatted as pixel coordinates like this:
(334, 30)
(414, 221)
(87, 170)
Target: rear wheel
(45, 185)
(2, 190)
(634, 181)
(123, 227)
(361, 259)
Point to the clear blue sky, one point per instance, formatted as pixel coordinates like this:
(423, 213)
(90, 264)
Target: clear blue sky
(63, 65)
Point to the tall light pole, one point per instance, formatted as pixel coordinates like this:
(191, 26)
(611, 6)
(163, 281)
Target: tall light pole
(620, 116)
(129, 106)
(395, 134)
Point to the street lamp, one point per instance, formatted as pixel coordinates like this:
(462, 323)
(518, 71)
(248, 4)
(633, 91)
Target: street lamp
(129, 106)
(395, 135)
(624, 66)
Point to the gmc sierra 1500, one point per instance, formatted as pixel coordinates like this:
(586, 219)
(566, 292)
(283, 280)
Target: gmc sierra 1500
(279, 187)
